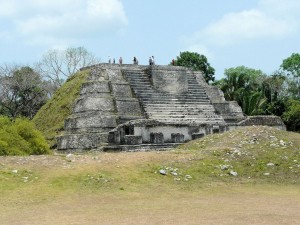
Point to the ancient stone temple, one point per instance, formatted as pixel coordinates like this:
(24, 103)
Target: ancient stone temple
(131, 107)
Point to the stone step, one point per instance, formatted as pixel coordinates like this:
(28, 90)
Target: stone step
(174, 97)
(179, 102)
(89, 130)
(181, 112)
(178, 113)
(141, 147)
(170, 95)
(145, 89)
(189, 121)
(174, 109)
(142, 80)
(199, 116)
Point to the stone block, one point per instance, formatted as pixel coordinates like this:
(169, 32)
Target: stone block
(129, 107)
(121, 90)
(95, 121)
(114, 74)
(114, 137)
(95, 87)
(170, 81)
(216, 129)
(157, 138)
(133, 140)
(81, 141)
(197, 135)
(97, 74)
(177, 138)
(92, 103)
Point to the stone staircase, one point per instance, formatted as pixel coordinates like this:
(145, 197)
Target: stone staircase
(190, 107)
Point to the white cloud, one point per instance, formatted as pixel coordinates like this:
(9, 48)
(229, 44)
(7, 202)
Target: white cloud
(62, 19)
(270, 19)
(250, 24)
(201, 49)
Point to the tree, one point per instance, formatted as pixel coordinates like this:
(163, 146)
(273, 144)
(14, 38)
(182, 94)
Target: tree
(291, 66)
(291, 116)
(274, 89)
(58, 65)
(239, 79)
(243, 85)
(21, 91)
(196, 62)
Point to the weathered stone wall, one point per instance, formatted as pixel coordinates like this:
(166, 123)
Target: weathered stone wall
(273, 121)
(146, 130)
(230, 111)
(169, 79)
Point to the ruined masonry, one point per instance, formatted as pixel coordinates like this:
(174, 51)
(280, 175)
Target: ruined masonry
(133, 108)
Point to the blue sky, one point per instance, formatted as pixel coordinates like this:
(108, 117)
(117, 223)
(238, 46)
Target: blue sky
(255, 33)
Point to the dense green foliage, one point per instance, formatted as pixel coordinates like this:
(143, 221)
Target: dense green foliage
(291, 116)
(20, 137)
(244, 85)
(196, 62)
(291, 66)
(277, 94)
(50, 118)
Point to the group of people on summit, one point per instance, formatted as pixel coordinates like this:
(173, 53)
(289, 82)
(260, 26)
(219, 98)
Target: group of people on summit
(135, 60)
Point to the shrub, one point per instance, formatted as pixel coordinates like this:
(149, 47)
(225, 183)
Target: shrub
(20, 137)
(291, 116)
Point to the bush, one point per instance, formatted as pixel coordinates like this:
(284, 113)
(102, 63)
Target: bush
(291, 116)
(20, 137)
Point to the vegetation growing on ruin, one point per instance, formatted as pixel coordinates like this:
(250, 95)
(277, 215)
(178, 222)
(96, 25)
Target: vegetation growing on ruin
(50, 118)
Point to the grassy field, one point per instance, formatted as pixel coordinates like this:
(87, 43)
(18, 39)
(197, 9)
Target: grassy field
(200, 186)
